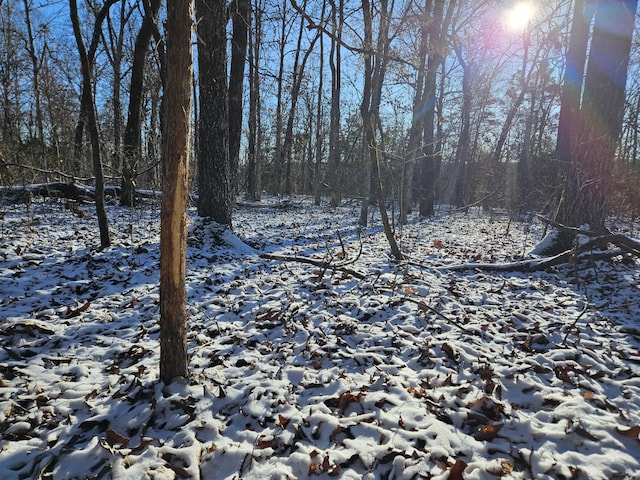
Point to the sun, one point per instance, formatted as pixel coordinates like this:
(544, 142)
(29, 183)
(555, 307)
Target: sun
(518, 16)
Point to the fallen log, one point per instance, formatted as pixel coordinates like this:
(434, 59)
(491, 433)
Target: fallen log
(595, 249)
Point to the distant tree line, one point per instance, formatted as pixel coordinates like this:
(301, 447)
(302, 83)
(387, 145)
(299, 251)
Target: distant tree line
(415, 102)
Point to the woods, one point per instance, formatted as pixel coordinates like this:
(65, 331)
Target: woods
(264, 237)
(472, 108)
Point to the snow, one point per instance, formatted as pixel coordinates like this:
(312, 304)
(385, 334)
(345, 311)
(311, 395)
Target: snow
(298, 372)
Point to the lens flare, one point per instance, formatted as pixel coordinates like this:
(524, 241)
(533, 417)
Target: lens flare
(517, 17)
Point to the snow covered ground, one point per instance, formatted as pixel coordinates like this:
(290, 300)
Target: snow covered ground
(415, 371)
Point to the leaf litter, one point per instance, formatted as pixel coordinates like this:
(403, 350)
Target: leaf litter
(415, 371)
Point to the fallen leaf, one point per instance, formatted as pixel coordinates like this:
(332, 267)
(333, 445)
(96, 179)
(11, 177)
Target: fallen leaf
(488, 432)
(283, 421)
(450, 352)
(71, 312)
(179, 471)
(633, 432)
(114, 438)
(457, 471)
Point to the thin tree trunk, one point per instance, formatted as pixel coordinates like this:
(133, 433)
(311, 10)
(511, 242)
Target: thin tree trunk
(295, 96)
(35, 65)
(92, 124)
(175, 153)
(373, 78)
(132, 147)
(253, 149)
(87, 101)
(317, 181)
(277, 154)
(335, 143)
(239, 17)
(414, 143)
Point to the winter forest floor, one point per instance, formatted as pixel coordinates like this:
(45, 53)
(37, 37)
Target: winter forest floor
(415, 371)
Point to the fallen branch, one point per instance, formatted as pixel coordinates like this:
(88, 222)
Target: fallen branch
(323, 264)
(587, 251)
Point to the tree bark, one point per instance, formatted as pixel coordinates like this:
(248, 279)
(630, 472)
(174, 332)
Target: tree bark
(589, 131)
(317, 167)
(92, 124)
(240, 11)
(175, 153)
(254, 143)
(335, 144)
(131, 146)
(215, 195)
(373, 78)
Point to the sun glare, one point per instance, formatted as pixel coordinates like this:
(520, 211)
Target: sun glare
(518, 16)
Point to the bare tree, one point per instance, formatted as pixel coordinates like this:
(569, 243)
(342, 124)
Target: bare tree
(240, 11)
(335, 63)
(175, 153)
(590, 124)
(215, 193)
(131, 147)
(92, 124)
(374, 70)
(254, 141)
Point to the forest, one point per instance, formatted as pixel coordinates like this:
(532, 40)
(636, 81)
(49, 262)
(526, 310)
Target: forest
(289, 239)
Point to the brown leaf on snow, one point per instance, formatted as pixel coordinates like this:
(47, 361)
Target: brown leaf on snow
(74, 312)
(449, 352)
(457, 471)
(345, 399)
(283, 421)
(633, 432)
(566, 373)
(179, 471)
(488, 432)
(114, 438)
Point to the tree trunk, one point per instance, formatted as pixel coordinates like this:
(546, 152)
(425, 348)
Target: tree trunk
(215, 196)
(335, 144)
(414, 143)
(239, 17)
(277, 154)
(35, 65)
(430, 151)
(254, 144)
(86, 101)
(132, 147)
(588, 137)
(175, 154)
(92, 124)
(317, 167)
(456, 190)
(373, 78)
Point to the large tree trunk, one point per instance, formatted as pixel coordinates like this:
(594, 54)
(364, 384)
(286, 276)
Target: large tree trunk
(92, 124)
(131, 147)
(215, 195)
(588, 136)
(430, 152)
(175, 153)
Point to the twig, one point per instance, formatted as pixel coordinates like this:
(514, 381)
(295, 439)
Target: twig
(575, 322)
(316, 263)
